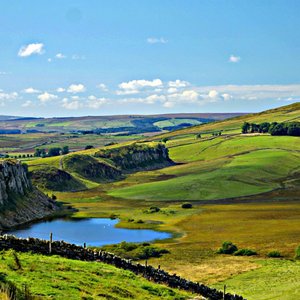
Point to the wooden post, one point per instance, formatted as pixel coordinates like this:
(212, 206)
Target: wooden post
(84, 245)
(224, 292)
(50, 243)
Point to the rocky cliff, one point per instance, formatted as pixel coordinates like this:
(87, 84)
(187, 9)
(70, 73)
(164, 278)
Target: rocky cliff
(20, 202)
(137, 156)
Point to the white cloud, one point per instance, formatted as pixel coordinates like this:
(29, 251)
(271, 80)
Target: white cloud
(60, 56)
(49, 60)
(8, 96)
(178, 83)
(213, 94)
(71, 105)
(76, 88)
(234, 59)
(30, 49)
(96, 102)
(226, 97)
(135, 86)
(169, 104)
(27, 103)
(30, 90)
(102, 87)
(45, 97)
(60, 90)
(154, 40)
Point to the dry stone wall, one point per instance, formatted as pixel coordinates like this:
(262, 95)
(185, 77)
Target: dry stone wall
(85, 254)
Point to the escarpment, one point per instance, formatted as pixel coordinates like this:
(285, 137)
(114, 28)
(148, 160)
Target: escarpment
(20, 201)
(137, 156)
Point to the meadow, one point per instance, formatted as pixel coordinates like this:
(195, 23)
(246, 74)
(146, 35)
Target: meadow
(58, 278)
(243, 188)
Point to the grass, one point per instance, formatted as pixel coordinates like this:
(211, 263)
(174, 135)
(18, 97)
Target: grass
(174, 122)
(251, 173)
(58, 278)
(232, 167)
(274, 279)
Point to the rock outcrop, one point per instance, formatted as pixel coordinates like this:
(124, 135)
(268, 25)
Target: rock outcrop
(137, 156)
(20, 202)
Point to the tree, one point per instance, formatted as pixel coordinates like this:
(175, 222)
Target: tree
(293, 129)
(198, 136)
(87, 147)
(245, 127)
(254, 127)
(65, 150)
(164, 140)
(264, 127)
(54, 151)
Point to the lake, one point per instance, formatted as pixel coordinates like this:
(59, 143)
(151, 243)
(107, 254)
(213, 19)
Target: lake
(93, 232)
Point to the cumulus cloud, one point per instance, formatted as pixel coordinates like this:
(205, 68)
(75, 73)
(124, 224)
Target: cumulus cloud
(27, 103)
(234, 59)
(30, 49)
(154, 40)
(76, 88)
(102, 87)
(178, 83)
(60, 56)
(45, 97)
(71, 104)
(60, 90)
(30, 90)
(135, 86)
(8, 96)
(95, 102)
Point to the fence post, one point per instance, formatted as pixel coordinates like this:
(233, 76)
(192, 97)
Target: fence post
(224, 293)
(50, 243)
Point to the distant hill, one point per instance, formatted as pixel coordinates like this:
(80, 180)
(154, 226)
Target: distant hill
(4, 118)
(130, 124)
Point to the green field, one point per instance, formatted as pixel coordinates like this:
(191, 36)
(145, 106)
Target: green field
(243, 188)
(58, 278)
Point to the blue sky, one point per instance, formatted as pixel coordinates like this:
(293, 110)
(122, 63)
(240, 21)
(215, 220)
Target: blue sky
(71, 58)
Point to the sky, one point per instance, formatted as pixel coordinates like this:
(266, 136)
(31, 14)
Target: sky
(74, 58)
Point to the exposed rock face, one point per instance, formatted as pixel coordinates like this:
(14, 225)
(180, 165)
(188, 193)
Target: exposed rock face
(13, 179)
(137, 156)
(20, 202)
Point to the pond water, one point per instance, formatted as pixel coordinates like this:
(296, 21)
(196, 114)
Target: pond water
(93, 232)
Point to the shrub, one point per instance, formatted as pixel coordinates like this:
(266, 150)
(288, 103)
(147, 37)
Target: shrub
(274, 254)
(297, 256)
(245, 252)
(135, 250)
(227, 248)
(186, 205)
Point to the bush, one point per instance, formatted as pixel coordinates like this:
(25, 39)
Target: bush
(186, 205)
(297, 256)
(135, 250)
(274, 254)
(227, 248)
(245, 252)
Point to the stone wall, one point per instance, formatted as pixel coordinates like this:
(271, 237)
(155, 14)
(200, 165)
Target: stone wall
(85, 254)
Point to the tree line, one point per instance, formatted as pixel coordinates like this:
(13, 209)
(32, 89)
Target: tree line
(55, 151)
(274, 128)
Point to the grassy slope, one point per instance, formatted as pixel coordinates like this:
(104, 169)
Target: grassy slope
(226, 166)
(58, 278)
